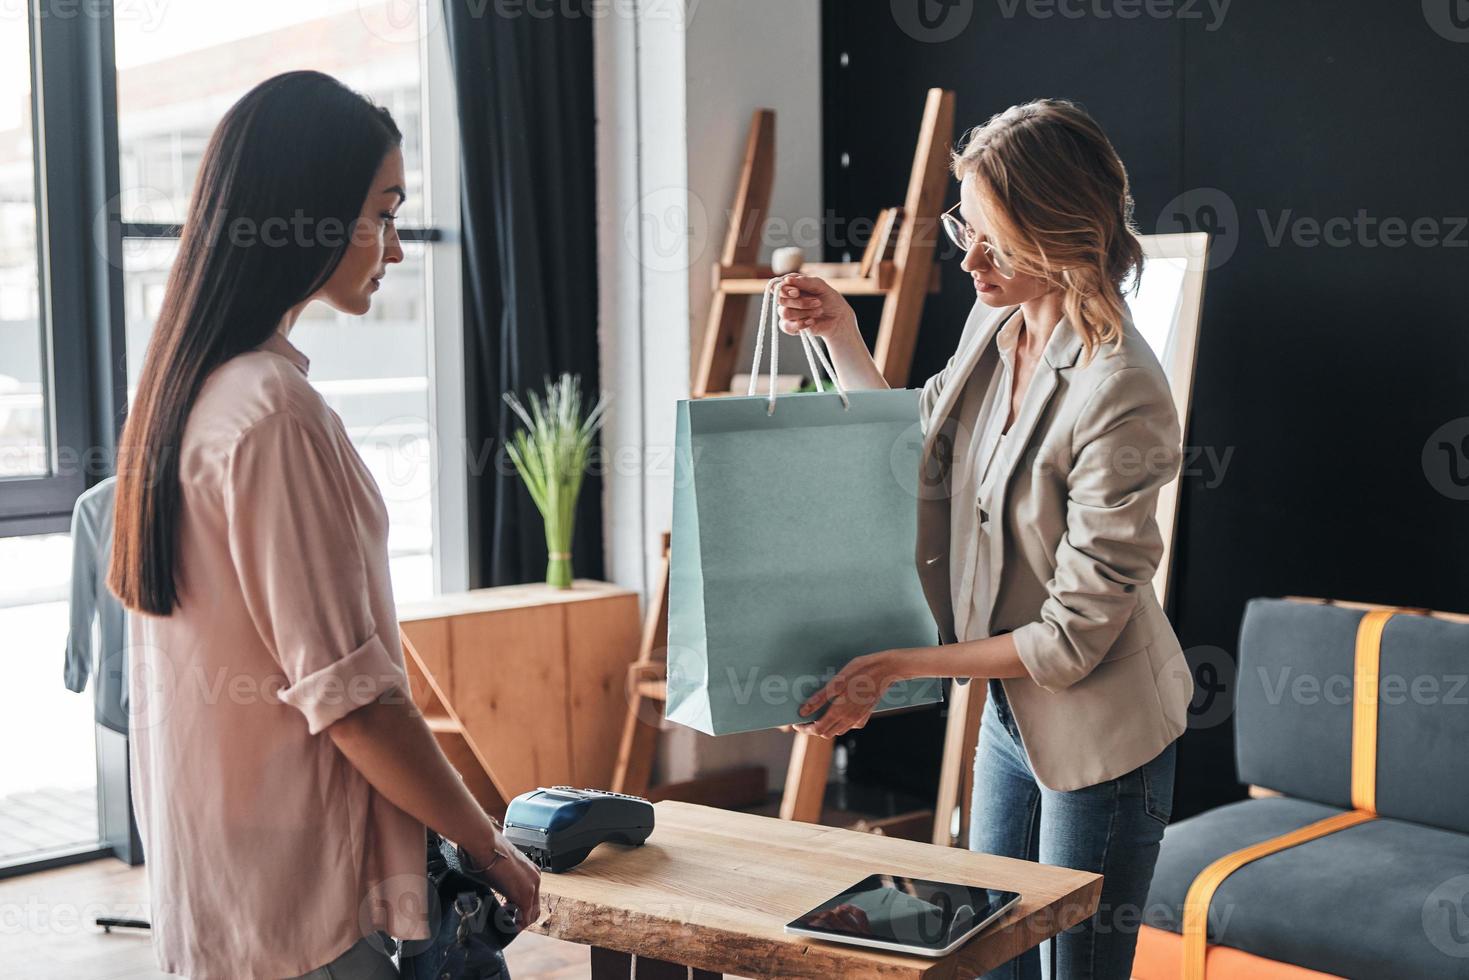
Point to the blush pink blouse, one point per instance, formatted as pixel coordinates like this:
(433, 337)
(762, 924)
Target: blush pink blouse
(268, 853)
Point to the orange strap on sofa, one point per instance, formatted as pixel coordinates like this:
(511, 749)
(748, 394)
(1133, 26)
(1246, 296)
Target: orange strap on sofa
(1201, 892)
(1366, 679)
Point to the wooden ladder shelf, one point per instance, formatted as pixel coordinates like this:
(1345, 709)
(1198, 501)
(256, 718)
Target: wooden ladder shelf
(897, 265)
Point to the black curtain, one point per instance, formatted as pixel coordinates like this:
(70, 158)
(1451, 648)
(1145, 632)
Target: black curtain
(528, 164)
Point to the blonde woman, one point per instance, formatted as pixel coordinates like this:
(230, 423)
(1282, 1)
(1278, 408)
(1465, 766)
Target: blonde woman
(1047, 438)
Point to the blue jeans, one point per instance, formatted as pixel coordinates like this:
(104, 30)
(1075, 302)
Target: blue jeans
(1112, 828)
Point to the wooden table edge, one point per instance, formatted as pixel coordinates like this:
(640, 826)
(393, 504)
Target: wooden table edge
(631, 930)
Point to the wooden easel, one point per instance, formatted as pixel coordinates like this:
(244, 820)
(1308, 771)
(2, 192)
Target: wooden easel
(647, 690)
(898, 265)
(903, 279)
(956, 774)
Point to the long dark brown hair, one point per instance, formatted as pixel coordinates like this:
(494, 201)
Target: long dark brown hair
(280, 188)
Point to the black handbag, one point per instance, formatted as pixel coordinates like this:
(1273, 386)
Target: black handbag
(468, 925)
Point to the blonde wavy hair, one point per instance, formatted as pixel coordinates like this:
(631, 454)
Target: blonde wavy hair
(1056, 199)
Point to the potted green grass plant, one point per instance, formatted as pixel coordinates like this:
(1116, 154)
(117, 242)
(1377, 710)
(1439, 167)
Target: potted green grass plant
(550, 454)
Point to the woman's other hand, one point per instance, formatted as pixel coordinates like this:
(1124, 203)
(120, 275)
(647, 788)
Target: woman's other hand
(851, 696)
(512, 875)
(809, 303)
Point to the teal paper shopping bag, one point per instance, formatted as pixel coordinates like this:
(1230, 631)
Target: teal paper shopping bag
(792, 553)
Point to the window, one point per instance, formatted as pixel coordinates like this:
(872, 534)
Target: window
(178, 73)
(55, 269)
(175, 79)
(24, 435)
(47, 801)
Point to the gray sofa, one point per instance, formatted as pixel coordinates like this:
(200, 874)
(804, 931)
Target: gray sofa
(1385, 898)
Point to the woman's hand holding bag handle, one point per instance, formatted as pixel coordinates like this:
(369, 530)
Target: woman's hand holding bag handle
(813, 350)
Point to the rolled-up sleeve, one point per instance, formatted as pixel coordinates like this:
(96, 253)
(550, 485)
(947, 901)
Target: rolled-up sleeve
(1127, 449)
(295, 547)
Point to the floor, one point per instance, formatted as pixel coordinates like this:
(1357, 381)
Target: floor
(46, 820)
(46, 930)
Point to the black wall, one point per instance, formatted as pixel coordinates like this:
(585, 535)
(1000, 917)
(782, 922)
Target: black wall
(1325, 368)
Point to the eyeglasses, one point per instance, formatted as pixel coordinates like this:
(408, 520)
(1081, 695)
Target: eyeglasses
(963, 236)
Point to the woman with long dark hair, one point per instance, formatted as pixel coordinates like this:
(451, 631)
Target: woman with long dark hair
(281, 773)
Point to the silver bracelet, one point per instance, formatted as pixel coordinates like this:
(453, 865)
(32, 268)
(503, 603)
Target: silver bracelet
(467, 861)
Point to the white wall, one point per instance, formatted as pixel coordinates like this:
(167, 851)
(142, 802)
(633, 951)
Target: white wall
(744, 55)
(676, 87)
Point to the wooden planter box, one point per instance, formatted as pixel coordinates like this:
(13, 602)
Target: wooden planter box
(524, 685)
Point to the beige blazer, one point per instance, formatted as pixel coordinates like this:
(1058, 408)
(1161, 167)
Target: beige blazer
(1072, 545)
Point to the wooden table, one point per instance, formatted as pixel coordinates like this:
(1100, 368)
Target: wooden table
(711, 890)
